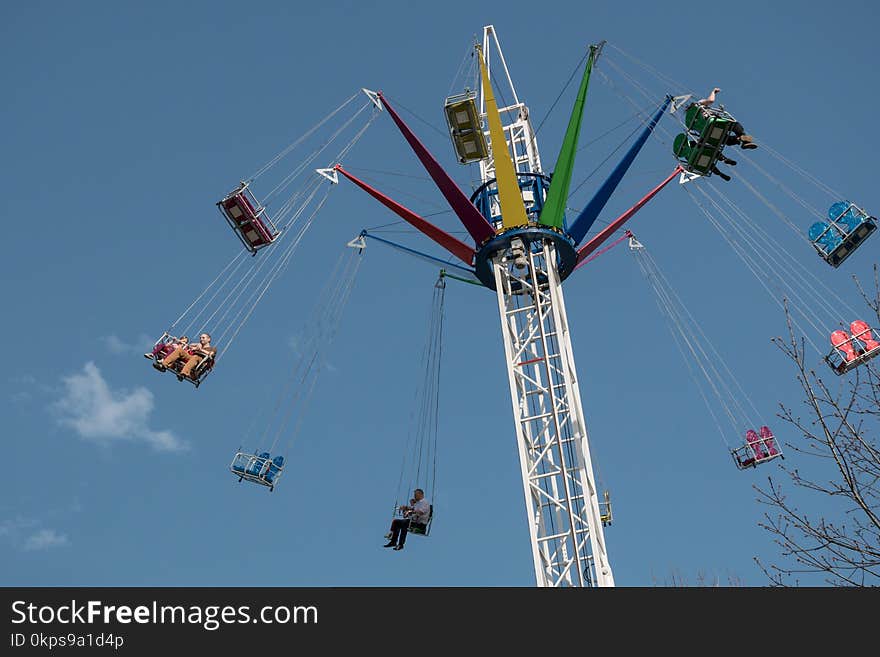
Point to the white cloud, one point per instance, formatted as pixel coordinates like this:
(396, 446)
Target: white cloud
(116, 345)
(97, 413)
(26, 534)
(45, 539)
(26, 385)
(13, 528)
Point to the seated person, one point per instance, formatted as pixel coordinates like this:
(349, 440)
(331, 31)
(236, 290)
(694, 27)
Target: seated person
(736, 134)
(194, 355)
(418, 513)
(684, 150)
(163, 349)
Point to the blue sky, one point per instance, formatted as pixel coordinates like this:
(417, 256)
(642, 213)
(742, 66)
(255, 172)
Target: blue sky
(122, 133)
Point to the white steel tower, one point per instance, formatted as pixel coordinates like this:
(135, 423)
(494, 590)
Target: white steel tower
(524, 250)
(562, 502)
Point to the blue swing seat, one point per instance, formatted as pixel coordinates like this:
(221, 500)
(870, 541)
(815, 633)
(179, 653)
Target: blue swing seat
(257, 468)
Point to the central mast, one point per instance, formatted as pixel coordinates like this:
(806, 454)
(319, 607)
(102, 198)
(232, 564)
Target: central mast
(523, 248)
(562, 502)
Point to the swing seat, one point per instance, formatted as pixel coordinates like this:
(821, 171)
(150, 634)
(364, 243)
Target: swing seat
(710, 124)
(196, 375)
(697, 158)
(748, 456)
(847, 228)
(248, 218)
(276, 465)
(863, 346)
(465, 128)
(825, 237)
(162, 347)
(708, 128)
(256, 468)
(605, 514)
(422, 529)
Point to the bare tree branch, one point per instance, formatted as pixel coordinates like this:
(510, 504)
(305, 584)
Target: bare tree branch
(837, 438)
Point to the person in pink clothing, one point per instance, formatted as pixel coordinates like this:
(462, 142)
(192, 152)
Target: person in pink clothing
(163, 348)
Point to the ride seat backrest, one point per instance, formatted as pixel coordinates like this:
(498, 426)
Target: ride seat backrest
(841, 340)
(233, 209)
(849, 218)
(242, 210)
(769, 443)
(256, 466)
(829, 240)
(746, 459)
(204, 365)
(715, 133)
(423, 529)
(699, 160)
(680, 146)
(244, 199)
(755, 443)
(861, 331)
(694, 118)
(239, 208)
(816, 230)
(274, 468)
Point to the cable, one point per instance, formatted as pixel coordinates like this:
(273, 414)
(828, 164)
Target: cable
(308, 133)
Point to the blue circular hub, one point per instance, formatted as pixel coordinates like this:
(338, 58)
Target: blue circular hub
(533, 238)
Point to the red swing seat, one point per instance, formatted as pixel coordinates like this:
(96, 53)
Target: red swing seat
(248, 218)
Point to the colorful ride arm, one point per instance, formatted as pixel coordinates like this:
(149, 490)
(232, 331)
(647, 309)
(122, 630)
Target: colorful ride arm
(604, 234)
(455, 246)
(475, 223)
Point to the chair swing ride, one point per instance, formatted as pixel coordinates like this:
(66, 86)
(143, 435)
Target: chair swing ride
(523, 246)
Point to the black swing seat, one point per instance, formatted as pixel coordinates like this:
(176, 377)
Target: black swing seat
(259, 468)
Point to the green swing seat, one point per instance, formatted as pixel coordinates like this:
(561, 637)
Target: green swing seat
(709, 128)
(696, 158)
